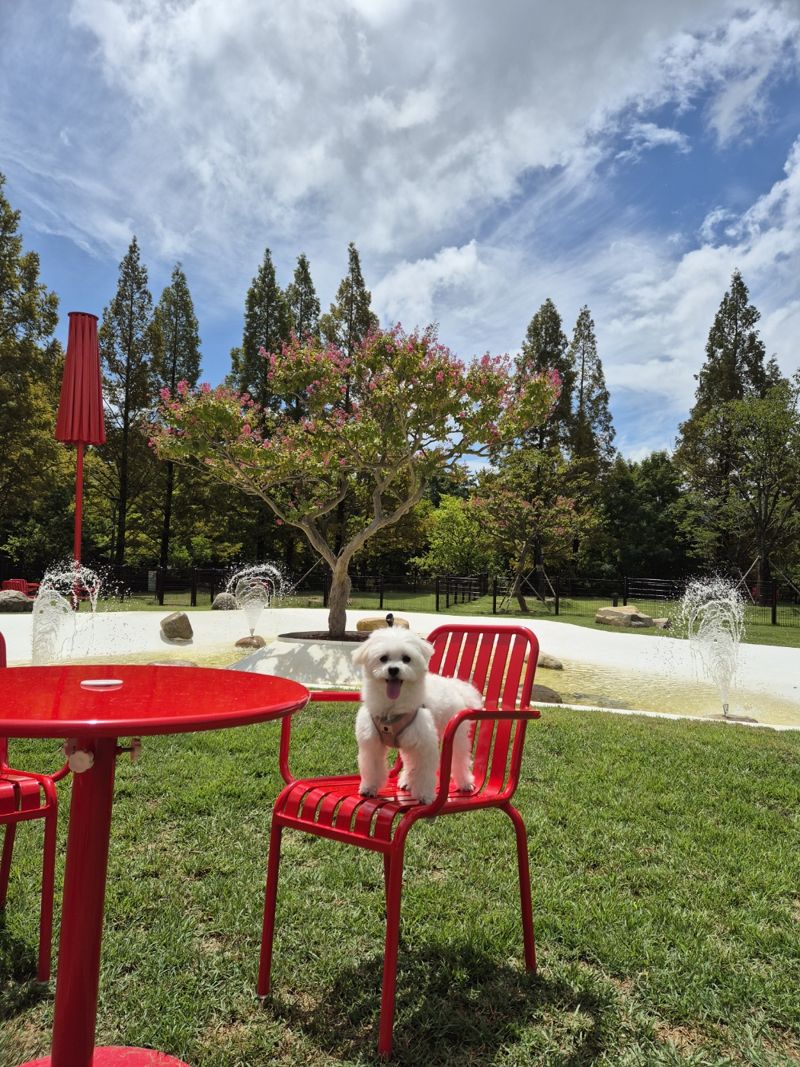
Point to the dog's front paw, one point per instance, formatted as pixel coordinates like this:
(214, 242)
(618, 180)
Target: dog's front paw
(466, 786)
(367, 791)
(402, 783)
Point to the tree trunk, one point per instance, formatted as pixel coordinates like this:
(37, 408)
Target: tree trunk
(764, 572)
(164, 557)
(337, 599)
(517, 587)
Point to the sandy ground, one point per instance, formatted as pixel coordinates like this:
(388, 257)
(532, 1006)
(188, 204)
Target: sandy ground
(762, 668)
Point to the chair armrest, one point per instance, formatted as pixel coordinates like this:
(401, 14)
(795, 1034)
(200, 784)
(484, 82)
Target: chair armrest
(467, 715)
(320, 696)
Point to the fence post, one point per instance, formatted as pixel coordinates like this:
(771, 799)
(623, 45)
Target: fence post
(447, 591)
(494, 595)
(437, 592)
(625, 590)
(774, 603)
(193, 594)
(380, 591)
(160, 585)
(558, 594)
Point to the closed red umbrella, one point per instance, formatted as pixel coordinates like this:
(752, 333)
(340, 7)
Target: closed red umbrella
(80, 410)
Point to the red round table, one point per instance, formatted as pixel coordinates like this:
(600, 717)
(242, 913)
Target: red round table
(122, 702)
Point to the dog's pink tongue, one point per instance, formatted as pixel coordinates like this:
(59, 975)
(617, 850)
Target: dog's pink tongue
(393, 687)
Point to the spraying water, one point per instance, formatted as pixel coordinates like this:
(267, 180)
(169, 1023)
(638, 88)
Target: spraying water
(55, 609)
(254, 588)
(713, 612)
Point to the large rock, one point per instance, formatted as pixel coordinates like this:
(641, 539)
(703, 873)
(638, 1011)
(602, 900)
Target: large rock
(629, 615)
(13, 600)
(251, 641)
(543, 694)
(224, 602)
(176, 627)
(550, 663)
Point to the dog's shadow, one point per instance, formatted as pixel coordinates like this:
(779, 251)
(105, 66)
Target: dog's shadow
(447, 999)
(19, 989)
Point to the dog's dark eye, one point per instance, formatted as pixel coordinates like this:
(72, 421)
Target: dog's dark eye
(406, 659)
(384, 659)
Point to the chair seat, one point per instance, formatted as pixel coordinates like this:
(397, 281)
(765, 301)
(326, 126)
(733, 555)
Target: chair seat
(20, 793)
(333, 807)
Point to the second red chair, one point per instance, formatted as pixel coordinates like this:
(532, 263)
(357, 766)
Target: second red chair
(500, 661)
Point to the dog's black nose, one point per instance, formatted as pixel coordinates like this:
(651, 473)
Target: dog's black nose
(393, 672)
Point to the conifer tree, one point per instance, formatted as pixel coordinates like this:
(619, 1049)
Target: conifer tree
(126, 347)
(348, 322)
(266, 325)
(592, 429)
(35, 482)
(350, 317)
(176, 358)
(545, 348)
(302, 301)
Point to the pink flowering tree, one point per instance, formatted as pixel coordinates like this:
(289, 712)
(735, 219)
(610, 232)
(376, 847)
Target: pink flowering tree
(400, 410)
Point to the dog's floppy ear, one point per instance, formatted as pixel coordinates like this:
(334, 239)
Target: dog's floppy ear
(360, 654)
(426, 648)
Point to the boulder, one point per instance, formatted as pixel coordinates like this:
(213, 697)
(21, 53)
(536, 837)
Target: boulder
(251, 641)
(662, 624)
(13, 600)
(543, 694)
(224, 602)
(176, 627)
(366, 626)
(629, 615)
(550, 663)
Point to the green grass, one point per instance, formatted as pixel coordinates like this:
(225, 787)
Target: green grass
(666, 875)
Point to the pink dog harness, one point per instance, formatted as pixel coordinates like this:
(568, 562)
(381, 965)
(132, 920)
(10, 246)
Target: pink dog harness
(390, 727)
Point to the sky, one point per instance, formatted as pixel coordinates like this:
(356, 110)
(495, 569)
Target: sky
(483, 155)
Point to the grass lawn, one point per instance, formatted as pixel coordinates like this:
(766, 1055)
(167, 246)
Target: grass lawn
(666, 874)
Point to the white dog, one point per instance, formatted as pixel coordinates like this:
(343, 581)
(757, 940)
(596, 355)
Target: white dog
(407, 708)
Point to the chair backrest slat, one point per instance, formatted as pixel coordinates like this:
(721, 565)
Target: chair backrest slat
(493, 658)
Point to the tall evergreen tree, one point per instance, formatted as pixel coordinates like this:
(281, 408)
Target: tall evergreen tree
(266, 325)
(350, 317)
(546, 348)
(35, 486)
(735, 368)
(302, 301)
(176, 357)
(126, 348)
(592, 430)
(349, 320)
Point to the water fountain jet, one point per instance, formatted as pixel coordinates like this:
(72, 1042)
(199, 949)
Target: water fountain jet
(713, 613)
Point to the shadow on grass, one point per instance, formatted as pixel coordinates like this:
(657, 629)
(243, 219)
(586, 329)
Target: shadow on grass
(19, 989)
(453, 1006)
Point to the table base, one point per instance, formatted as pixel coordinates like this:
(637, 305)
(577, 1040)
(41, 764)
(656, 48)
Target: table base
(116, 1056)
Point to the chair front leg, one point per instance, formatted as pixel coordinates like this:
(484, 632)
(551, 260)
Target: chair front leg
(5, 862)
(270, 902)
(48, 881)
(393, 874)
(526, 903)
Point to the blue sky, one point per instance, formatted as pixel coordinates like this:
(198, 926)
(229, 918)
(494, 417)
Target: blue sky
(483, 157)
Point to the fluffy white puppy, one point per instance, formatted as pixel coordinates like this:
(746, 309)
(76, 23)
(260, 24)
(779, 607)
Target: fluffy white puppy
(407, 708)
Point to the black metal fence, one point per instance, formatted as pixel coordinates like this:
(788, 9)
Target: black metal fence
(772, 603)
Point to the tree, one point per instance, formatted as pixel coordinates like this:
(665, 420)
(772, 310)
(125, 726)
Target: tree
(266, 325)
(763, 501)
(735, 368)
(302, 302)
(125, 347)
(176, 357)
(592, 429)
(522, 502)
(457, 543)
(350, 318)
(545, 348)
(35, 485)
(395, 412)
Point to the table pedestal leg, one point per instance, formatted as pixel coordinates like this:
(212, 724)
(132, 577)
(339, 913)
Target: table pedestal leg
(78, 973)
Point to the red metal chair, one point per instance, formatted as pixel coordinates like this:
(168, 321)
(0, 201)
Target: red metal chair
(500, 661)
(24, 796)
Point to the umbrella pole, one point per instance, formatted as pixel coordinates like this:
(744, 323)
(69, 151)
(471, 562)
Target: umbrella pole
(78, 502)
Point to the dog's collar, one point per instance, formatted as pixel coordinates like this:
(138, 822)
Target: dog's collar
(390, 727)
